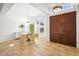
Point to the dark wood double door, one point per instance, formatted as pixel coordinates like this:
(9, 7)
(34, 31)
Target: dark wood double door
(63, 28)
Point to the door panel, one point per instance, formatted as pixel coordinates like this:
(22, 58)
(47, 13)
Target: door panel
(63, 28)
(55, 28)
(68, 25)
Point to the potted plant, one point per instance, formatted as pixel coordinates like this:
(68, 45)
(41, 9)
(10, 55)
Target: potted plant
(32, 30)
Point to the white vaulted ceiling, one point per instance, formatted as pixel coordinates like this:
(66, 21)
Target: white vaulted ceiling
(23, 10)
(4, 7)
(34, 8)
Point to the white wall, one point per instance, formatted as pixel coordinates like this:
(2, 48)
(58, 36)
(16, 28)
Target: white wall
(77, 27)
(47, 27)
(6, 29)
(16, 15)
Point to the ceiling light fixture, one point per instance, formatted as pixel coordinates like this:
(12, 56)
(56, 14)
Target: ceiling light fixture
(57, 8)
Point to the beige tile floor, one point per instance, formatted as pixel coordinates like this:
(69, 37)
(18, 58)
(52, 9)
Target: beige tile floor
(40, 48)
